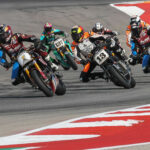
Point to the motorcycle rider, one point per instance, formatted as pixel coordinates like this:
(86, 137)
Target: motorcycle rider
(136, 22)
(101, 30)
(47, 38)
(11, 44)
(141, 39)
(79, 35)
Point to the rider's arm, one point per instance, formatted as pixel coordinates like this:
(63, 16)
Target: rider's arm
(76, 53)
(59, 32)
(144, 24)
(26, 38)
(43, 39)
(133, 48)
(3, 60)
(128, 36)
(110, 32)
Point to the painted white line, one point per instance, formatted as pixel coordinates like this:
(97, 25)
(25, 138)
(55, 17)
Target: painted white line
(14, 140)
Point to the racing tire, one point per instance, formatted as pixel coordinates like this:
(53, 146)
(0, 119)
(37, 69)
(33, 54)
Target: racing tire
(61, 88)
(46, 90)
(65, 68)
(117, 78)
(71, 62)
(132, 83)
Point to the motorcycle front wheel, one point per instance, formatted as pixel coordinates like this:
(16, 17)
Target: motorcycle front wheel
(40, 83)
(71, 62)
(117, 78)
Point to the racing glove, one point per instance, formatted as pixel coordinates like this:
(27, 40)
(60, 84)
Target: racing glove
(7, 65)
(83, 62)
(115, 33)
(66, 34)
(37, 44)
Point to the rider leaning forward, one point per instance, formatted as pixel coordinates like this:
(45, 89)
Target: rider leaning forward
(79, 35)
(11, 44)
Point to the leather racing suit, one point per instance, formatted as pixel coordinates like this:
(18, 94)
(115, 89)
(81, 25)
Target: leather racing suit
(12, 48)
(143, 44)
(135, 53)
(81, 58)
(47, 41)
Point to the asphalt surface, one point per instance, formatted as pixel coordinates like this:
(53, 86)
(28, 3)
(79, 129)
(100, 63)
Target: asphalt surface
(22, 108)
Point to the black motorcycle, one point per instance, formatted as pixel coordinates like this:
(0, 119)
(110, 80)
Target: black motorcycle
(116, 69)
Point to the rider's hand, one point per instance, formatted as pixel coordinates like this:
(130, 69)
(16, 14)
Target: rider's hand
(133, 59)
(37, 44)
(115, 33)
(7, 65)
(66, 34)
(83, 62)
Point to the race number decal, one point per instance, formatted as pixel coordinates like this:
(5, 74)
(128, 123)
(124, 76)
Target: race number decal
(24, 58)
(101, 57)
(59, 43)
(86, 46)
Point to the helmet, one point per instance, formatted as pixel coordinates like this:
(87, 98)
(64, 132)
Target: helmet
(136, 29)
(135, 19)
(48, 28)
(77, 33)
(98, 27)
(5, 33)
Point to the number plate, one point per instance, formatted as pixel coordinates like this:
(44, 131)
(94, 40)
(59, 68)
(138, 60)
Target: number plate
(59, 43)
(101, 57)
(24, 58)
(86, 46)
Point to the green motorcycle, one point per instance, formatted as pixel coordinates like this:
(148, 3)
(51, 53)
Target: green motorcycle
(63, 54)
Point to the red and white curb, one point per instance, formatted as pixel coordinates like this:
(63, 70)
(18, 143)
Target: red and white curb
(122, 128)
(140, 8)
(108, 130)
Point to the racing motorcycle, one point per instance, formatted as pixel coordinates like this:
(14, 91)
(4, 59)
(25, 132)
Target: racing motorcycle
(37, 72)
(64, 54)
(117, 70)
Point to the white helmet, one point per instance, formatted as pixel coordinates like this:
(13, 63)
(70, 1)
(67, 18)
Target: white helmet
(98, 26)
(135, 19)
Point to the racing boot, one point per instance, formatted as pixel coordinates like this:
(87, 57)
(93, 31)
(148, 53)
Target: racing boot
(84, 77)
(146, 69)
(97, 75)
(18, 80)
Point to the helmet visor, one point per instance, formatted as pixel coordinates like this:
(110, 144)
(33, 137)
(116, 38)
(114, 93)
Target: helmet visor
(76, 37)
(48, 29)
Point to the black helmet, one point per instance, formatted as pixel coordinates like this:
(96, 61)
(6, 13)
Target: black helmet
(136, 29)
(77, 33)
(2, 31)
(135, 19)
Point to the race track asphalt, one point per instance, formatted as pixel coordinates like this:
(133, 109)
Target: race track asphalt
(22, 108)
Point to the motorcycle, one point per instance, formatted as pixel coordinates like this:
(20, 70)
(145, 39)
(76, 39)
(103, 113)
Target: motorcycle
(64, 54)
(117, 70)
(36, 72)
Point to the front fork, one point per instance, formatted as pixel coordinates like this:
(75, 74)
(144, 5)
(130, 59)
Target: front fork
(26, 69)
(53, 82)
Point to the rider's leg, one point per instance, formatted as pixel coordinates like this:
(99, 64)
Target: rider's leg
(86, 74)
(146, 64)
(15, 77)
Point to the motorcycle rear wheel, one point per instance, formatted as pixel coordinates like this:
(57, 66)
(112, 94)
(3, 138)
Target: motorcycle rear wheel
(61, 88)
